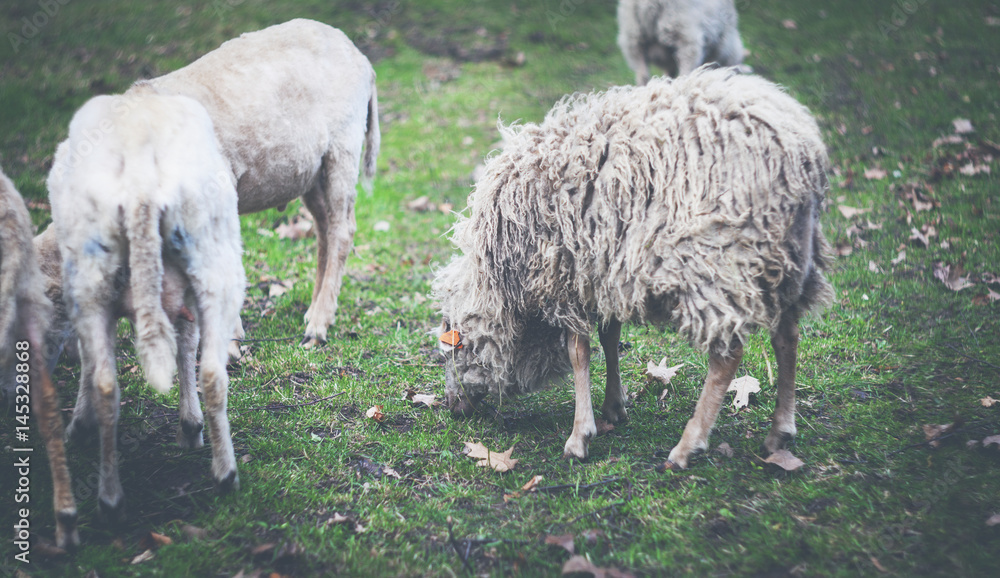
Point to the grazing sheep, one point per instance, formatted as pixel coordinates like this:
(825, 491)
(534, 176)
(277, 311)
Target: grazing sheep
(692, 203)
(677, 35)
(144, 210)
(292, 105)
(24, 318)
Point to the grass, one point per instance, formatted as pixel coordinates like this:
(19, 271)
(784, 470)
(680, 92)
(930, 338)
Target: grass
(898, 350)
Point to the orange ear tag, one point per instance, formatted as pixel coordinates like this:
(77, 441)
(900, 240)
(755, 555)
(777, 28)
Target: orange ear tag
(452, 338)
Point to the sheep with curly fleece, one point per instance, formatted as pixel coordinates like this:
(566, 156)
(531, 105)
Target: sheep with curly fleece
(691, 203)
(144, 210)
(677, 35)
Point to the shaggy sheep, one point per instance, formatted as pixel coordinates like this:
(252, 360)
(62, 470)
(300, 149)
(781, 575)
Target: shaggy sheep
(144, 210)
(292, 106)
(692, 203)
(677, 35)
(24, 319)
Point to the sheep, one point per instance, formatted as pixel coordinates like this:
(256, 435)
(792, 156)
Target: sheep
(292, 105)
(692, 203)
(25, 312)
(144, 210)
(677, 35)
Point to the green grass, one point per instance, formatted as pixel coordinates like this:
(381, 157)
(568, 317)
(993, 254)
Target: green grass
(896, 351)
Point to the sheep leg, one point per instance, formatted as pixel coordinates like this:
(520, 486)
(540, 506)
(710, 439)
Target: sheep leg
(332, 206)
(192, 422)
(83, 424)
(721, 370)
(45, 402)
(97, 340)
(785, 342)
(584, 426)
(234, 344)
(614, 394)
(690, 55)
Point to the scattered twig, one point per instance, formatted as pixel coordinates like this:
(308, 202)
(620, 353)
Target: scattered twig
(955, 349)
(954, 432)
(454, 544)
(277, 407)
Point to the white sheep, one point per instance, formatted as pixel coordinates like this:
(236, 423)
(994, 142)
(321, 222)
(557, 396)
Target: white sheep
(144, 209)
(292, 106)
(677, 35)
(25, 312)
(691, 203)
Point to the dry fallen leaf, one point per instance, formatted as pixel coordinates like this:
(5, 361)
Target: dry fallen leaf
(420, 204)
(564, 541)
(950, 139)
(500, 462)
(375, 413)
(725, 449)
(851, 212)
(144, 557)
(784, 460)
(391, 472)
(993, 520)
(152, 540)
(194, 532)
(427, 399)
(581, 565)
(934, 431)
(962, 126)
(532, 483)
(875, 174)
(951, 276)
(743, 386)
(789, 24)
(878, 565)
(295, 229)
(991, 440)
(603, 426)
(899, 258)
(988, 401)
(919, 237)
(661, 372)
(279, 288)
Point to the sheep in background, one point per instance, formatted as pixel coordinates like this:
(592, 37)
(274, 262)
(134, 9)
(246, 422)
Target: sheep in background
(677, 35)
(292, 105)
(24, 319)
(144, 209)
(692, 203)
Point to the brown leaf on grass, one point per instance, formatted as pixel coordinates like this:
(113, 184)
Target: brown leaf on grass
(899, 258)
(661, 372)
(851, 212)
(990, 297)
(499, 461)
(152, 541)
(725, 449)
(844, 249)
(295, 229)
(989, 401)
(789, 24)
(603, 426)
(145, 556)
(878, 565)
(743, 386)
(420, 204)
(279, 288)
(427, 399)
(564, 541)
(933, 432)
(875, 174)
(532, 483)
(962, 126)
(991, 440)
(951, 276)
(993, 520)
(919, 238)
(784, 460)
(580, 565)
(375, 413)
(194, 532)
(950, 139)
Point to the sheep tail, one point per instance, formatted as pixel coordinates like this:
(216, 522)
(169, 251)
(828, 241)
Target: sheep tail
(372, 140)
(155, 339)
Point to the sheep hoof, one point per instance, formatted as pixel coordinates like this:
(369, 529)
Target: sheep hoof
(189, 435)
(777, 440)
(81, 432)
(308, 342)
(669, 465)
(67, 537)
(614, 414)
(229, 483)
(113, 514)
(575, 448)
